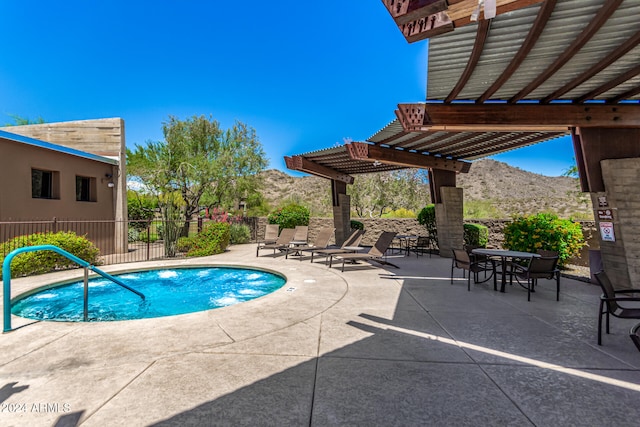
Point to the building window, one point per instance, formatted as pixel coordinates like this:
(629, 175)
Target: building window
(85, 189)
(44, 184)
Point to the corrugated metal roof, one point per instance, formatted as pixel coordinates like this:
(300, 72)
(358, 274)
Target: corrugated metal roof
(579, 51)
(54, 147)
(449, 53)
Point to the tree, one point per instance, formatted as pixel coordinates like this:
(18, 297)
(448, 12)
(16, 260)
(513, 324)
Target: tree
(21, 121)
(199, 159)
(374, 194)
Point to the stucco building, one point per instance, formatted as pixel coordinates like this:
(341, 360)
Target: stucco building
(65, 176)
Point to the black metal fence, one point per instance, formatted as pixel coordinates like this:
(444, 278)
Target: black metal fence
(118, 241)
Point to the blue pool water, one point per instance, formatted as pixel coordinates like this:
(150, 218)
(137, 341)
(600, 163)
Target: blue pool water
(168, 292)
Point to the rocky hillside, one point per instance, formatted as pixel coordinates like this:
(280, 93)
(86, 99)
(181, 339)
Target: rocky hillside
(492, 189)
(511, 190)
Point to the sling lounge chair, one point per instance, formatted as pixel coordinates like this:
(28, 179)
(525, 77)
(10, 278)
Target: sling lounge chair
(321, 242)
(353, 240)
(376, 253)
(286, 235)
(270, 234)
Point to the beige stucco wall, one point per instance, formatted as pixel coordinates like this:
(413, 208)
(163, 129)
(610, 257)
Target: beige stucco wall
(16, 203)
(104, 137)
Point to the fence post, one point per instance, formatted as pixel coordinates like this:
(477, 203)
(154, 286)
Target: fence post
(148, 238)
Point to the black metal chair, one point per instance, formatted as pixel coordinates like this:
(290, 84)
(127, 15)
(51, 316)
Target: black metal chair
(538, 268)
(635, 335)
(421, 245)
(462, 260)
(609, 303)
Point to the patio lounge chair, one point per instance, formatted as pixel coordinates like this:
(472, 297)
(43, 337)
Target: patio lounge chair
(609, 302)
(286, 235)
(462, 260)
(321, 242)
(352, 241)
(301, 233)
(376, 253)
(270, 234)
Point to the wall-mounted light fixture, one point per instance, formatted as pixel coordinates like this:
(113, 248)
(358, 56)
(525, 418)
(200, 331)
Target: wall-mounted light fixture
(109, 178)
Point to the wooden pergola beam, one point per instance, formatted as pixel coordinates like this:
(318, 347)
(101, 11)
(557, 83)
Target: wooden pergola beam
(516, 117)
(403, 11)
(374, 153)
(302, 164)
(422, 19)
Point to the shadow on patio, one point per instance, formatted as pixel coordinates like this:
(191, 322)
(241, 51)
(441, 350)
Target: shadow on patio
(446, 357)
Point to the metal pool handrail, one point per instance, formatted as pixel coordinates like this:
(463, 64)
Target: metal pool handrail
(6, 278)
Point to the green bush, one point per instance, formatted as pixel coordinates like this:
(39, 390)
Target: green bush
(45, 261)
(240, 233)
(213, 239)
(133, 235)
(427, 217)
(476, 235)
(544, 231)
(356, 225)
(289, 216)
(184, 244)
(140, 210)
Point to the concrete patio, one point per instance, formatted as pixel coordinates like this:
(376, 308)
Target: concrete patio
(369, 346)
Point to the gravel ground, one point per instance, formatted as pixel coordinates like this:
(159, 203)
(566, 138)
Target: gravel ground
(577, 272)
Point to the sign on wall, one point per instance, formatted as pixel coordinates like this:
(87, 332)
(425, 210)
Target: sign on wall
(606, 232)
(605, 214)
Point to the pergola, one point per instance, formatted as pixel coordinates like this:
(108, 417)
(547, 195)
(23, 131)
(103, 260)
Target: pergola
(504, 74)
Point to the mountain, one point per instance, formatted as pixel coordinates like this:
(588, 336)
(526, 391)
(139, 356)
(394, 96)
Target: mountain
(492, 189)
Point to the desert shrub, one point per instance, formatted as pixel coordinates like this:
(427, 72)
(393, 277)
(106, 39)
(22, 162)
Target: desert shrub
(240, 233)
(427, 217)
(400, 213)
(476, 235)
(45, 261)
(485, 208)
(212, 239)
(356, 225)
(289, 216)
(184, 244)
(133, 235)
(544, 231)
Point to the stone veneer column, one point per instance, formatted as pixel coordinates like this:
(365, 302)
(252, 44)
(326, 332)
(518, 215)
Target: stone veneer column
(449, 219)
(342, 218)
(621, 259)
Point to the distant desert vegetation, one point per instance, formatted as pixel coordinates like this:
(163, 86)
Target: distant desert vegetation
(492, 189)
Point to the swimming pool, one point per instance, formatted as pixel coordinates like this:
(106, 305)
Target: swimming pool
(168, 292)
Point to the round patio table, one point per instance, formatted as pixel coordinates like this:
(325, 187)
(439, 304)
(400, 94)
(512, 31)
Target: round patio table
(504, 255)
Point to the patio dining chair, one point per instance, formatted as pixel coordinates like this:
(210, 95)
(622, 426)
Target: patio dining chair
(462, 260)
(542, 267)
(284, 239)
(376, 253)
(421, 245)
(609, 302)
(634, 333)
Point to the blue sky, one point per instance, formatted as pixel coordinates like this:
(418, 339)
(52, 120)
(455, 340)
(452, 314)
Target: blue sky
(305, 75)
